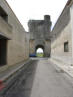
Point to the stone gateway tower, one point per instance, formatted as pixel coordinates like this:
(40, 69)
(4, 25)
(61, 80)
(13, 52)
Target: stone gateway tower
(40, 35)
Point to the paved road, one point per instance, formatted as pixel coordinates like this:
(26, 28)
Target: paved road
(43, 79)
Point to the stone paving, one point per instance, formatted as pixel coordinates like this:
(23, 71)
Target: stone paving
(43, 79)
(51, 81)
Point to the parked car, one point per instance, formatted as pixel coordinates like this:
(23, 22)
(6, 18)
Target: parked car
(32, 55)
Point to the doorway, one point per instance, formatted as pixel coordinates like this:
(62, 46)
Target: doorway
(3, 52)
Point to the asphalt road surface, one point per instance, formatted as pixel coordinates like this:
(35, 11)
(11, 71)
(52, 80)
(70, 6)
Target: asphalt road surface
(43, 79)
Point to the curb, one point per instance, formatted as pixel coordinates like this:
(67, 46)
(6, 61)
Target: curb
(13, 75)
(66, 71)
(4, 79)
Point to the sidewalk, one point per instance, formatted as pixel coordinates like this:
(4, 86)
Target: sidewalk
(67, 68)
(10, 70)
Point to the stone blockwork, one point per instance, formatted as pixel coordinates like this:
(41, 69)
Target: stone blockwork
(27, 44)
(62, 36)
(13, 32)
(40, 35)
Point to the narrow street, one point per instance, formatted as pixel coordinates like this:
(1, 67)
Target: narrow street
(43, 79)
(36, 48)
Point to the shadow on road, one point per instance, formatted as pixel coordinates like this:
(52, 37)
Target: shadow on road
(23, 86)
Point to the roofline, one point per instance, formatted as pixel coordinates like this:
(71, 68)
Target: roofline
(68, 4)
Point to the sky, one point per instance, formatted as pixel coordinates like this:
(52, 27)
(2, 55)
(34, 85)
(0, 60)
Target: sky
(36, 9)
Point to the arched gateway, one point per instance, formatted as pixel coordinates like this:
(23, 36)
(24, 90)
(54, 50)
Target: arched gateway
(40, 35)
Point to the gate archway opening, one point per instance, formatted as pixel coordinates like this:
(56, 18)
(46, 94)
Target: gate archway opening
(39, 51)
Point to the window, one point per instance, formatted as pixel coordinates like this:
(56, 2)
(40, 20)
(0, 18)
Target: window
(66, 48)
(3, 14)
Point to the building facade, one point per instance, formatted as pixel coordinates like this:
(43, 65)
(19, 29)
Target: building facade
(62, 36)
(12, 37)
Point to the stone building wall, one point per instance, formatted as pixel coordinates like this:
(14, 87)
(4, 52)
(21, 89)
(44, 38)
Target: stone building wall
(16, 48)
(61, 34)
(31, 46)
(27, 44)
(71, 16)
(40, 35)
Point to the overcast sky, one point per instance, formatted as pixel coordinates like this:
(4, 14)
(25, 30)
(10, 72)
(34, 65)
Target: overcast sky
(36, 9)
